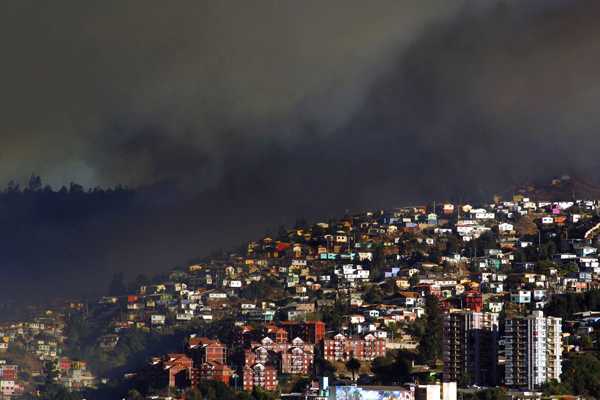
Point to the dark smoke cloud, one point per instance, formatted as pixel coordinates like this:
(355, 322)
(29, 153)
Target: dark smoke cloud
(94, 91)
(234, 117)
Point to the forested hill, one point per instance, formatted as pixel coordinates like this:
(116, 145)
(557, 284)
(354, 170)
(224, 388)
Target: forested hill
(68, 242)
(54, 241)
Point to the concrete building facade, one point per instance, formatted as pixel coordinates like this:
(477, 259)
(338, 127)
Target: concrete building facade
(533, 350)
(470, 348)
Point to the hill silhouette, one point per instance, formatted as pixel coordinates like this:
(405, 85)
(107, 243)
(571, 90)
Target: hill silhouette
(566, 187)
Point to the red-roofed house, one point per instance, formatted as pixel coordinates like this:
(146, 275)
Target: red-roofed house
(179, 369)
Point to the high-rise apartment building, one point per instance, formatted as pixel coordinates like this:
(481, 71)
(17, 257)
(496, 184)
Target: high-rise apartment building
(471, 348)
(533, 350)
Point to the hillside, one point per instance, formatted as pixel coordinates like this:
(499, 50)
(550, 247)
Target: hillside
(562, 188)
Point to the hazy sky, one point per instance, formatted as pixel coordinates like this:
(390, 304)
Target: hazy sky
(119, 92)
(232, 116)
(139, 93)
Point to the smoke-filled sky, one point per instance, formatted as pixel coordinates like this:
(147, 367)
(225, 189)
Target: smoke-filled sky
(138, 92)
(233, 116)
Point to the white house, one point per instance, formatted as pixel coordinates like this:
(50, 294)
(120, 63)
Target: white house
(547, 220)
(505, 227)
(521, 297)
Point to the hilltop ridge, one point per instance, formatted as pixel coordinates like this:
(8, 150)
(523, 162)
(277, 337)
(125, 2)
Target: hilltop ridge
(565, 187)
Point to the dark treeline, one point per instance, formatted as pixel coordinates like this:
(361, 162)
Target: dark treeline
(52, 240)
(68, 242)
(35, 184)
(38, 202)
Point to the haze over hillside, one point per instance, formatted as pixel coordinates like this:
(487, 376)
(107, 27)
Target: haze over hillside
(226, 127)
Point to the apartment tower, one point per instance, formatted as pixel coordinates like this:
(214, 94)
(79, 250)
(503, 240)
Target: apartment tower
(471, 348)
(533, 350)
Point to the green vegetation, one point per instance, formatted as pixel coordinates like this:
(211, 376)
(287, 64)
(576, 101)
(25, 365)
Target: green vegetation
(487, 394)
(567, 304)
(430, 344)
(393, 369)
(353, 365)
(374, 294)
(324, 367)
(266, 288)
(58, 392)
(214, 390)
(580, 376)
(334, 316)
